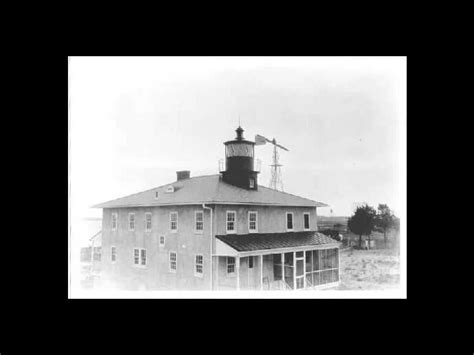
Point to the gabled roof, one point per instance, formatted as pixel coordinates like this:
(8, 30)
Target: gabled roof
(209, 189)
(265, 241)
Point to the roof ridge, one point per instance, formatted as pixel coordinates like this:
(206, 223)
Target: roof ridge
(210, 189)
(153, 188)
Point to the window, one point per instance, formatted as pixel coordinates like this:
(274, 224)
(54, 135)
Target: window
(148, 221)
(174, 221)
(173, 261)
(306, 221)
(162, 240)
(230, 225)
(198, 265)
(143, 256)
(252, 221)
(136, 256)
(156, 195)
(113, 254)
(114, 221)
(230, 264)
(239, 150)
(289, 221)
(198, 221)
(131, 221)
(252, 183)
(139, 256)
(250, 262)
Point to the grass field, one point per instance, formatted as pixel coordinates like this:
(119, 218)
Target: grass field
(376, 269)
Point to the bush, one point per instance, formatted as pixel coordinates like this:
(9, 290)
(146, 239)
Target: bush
(331, 233)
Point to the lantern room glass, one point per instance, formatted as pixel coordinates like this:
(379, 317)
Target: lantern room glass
(239, 150)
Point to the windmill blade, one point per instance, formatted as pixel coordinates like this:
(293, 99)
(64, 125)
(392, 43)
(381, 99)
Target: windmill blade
(260, 140)
(268, 140)
(282, 147)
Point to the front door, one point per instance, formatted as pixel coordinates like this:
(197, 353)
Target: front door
(299, 270)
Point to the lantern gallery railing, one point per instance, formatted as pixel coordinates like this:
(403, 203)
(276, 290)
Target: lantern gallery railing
(221, 165)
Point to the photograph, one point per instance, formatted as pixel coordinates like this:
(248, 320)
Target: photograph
(237, 177)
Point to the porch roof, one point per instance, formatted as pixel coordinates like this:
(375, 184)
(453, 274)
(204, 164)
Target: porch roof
(265, 241)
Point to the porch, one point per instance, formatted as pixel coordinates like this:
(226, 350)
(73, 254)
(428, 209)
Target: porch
(311, 262)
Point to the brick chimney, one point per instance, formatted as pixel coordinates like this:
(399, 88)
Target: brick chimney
(183, 174)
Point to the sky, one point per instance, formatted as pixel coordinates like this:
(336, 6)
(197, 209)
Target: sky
(135, 121)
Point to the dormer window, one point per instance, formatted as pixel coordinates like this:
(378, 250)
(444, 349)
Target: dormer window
(170, 189)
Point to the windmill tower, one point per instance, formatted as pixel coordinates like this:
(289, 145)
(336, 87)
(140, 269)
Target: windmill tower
(276, 181)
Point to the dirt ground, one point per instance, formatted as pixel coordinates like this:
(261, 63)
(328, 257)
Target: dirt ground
(376, 269)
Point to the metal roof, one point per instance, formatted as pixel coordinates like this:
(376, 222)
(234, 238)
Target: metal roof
(212, 190)
(265, 241)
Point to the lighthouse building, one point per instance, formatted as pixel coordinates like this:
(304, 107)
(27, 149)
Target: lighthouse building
(216, 232)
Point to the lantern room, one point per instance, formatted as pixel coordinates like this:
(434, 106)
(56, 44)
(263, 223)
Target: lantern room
(239, 162)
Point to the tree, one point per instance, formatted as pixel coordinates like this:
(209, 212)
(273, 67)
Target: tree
(362, 222)
(396, 224)
(385, 220)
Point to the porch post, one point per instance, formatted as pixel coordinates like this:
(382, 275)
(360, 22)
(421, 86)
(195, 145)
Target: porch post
(338, 266)
(304, 270)
(217, 272)
(248, 271)
(294, 271)
(261, 272)
(283, 271)
(237, 268)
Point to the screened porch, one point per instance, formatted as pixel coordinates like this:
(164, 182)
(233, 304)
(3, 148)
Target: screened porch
(291, 270)
(276, 261)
